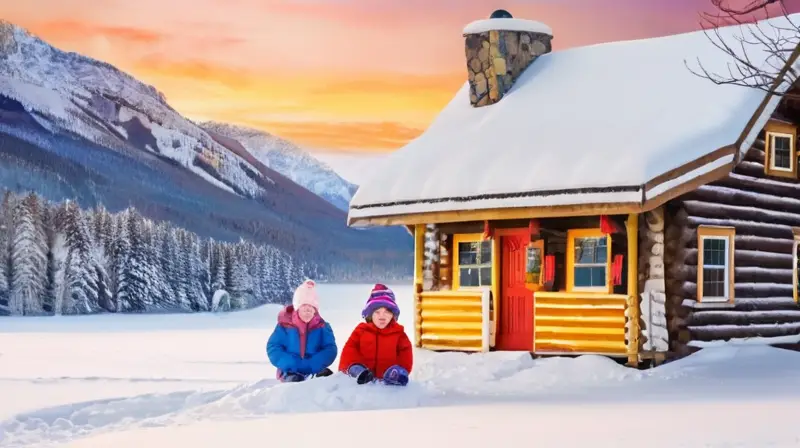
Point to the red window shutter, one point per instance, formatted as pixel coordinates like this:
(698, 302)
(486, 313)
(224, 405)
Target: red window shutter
(616, 270)
(549, 268)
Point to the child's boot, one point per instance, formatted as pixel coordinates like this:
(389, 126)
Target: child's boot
(325, 372)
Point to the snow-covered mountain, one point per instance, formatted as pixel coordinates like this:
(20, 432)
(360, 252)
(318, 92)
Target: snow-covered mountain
(290, 160)
(72, 127)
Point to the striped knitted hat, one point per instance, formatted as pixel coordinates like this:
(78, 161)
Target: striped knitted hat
(381, 296)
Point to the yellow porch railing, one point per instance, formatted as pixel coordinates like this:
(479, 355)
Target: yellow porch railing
(575, 323)
(453, 320)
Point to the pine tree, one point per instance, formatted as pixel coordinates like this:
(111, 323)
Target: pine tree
(81, 292)
(29, 258)
(134, 284)
(7, 209)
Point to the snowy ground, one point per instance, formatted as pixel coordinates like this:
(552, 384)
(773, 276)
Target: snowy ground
(203, 381)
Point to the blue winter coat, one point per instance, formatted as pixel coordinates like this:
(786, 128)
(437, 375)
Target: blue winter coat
(284, 345)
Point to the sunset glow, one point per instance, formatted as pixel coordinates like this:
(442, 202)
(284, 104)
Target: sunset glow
(329, 74)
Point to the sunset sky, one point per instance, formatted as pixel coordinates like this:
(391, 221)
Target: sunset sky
(350, 75)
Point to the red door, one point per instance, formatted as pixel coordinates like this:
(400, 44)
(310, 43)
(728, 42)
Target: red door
(515, 326)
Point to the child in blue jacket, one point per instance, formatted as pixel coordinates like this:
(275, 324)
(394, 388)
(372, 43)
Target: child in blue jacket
(302, 344)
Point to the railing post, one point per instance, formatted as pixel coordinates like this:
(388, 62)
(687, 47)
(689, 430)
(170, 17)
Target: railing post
(632, 230)
(418, 314)
(486, 320)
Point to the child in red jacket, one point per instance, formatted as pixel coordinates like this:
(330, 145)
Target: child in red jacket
(379, 348)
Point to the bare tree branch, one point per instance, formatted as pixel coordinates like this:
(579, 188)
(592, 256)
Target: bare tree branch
(756, 55)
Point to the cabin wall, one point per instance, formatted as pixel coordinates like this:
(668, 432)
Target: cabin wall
(763, 210)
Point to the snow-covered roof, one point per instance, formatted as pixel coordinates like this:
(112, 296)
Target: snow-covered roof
(589, 125)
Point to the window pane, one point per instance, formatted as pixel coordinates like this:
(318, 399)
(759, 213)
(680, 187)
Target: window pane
(587, 277)
(714, 251)
(590, 250)
(486, 252)
(468, 277)
(467, 253)
(534, 262)
(486, 276)
(713, 282)
(781, 152)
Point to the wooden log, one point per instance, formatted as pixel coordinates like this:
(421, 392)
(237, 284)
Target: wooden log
(746, 290)
(757, 243)
(755, 155)
(744, 213)
(717, 317)
(749, 258)
(719, 194)
(745, 227)
(753, 169)
(758, 184)
(655, 219)
(742, 274)
(727, 332)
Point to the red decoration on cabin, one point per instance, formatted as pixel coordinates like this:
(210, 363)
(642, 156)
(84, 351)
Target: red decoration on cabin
(533, 227)
(616, 270)
(487, 230)
(549, 269)
(607, 225)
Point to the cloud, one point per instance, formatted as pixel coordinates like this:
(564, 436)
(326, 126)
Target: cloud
(74, 29)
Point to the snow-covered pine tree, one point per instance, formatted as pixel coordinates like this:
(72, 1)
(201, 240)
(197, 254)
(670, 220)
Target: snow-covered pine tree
(118, 250)
(7, 209)
(81, 283)
(169, 266)
(241, 283)
(218, 267)
(196, 272)
(134, 284)
(204, 269)
(29, 258)
(53, 260)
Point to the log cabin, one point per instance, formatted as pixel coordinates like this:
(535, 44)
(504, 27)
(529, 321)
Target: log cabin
(600, 200)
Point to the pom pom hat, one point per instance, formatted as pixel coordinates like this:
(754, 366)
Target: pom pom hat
(380, 297)
(306, 294)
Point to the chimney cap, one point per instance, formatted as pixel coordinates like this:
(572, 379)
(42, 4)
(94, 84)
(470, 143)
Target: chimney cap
(507, 24)
(501, 14)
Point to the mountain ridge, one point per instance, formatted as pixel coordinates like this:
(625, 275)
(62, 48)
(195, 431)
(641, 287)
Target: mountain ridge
(65, 113)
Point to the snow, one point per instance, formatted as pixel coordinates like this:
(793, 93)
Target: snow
(512, 24)
(558, 129)
(202, 380)
(680, 180)
(792, 339)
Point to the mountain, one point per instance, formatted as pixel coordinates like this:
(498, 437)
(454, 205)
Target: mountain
(290, 160)
(72, 127)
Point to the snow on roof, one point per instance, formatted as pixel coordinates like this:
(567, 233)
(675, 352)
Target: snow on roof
(605, 119)
(482, 26)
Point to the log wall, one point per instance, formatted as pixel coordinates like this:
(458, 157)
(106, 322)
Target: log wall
(763, 210)
(431, 257)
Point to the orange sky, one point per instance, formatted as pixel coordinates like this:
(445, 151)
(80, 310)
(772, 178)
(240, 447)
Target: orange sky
(329, 74)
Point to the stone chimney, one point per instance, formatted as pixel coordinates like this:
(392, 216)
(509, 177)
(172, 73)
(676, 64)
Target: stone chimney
(498, 50)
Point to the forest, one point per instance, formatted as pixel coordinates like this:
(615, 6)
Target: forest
(59, 259)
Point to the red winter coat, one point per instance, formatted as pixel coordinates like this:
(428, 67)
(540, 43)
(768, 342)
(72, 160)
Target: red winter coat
(377, 349)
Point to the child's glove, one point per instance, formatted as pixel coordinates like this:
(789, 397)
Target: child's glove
(362, 374)
(396, 376)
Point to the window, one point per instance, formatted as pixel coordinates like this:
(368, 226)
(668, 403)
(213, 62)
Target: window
(715, 264)
(588, 254)
(781, 153)
(473, 261)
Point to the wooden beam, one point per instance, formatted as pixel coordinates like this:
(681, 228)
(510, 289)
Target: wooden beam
(559, 211)
(632, 231)
(687, 167)
(419, 248)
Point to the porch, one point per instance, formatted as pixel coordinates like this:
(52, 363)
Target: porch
(548, 286)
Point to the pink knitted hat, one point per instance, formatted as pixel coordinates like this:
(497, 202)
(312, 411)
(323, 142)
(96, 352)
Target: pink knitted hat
(306, 294)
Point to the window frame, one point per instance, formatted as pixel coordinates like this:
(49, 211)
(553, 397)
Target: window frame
(572, 235)
(729, 235)
(471, 238)
(775, 129)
